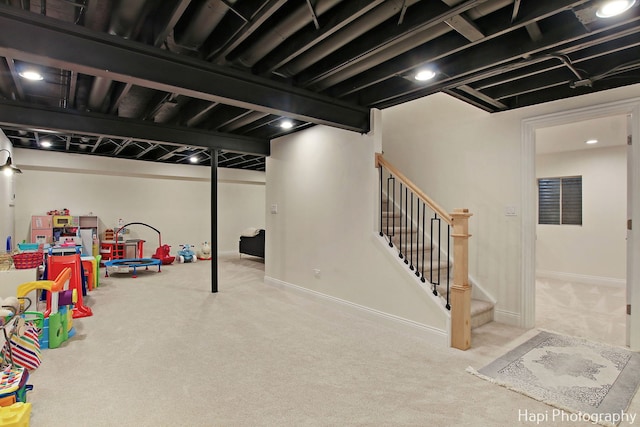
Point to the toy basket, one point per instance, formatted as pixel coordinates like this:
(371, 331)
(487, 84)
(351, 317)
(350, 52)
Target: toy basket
(5, 261)
(26, 260)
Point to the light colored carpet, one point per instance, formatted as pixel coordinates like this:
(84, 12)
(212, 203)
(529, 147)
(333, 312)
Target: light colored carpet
(592, 380)
(161, 350)
(595, 312)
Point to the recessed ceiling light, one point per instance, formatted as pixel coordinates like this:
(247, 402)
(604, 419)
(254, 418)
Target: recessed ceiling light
(286, 124)
(45, 144)
(31, 75)
(193, 159)
(425, 75)
(614, 8)
(591, 141)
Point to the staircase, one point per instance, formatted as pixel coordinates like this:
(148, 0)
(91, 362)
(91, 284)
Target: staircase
(412, 245)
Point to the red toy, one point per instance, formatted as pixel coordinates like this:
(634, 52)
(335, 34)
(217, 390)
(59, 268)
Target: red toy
(162, 252)
(164, 255)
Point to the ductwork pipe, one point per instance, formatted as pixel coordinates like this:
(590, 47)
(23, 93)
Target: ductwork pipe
(204, 21)
(123, 23)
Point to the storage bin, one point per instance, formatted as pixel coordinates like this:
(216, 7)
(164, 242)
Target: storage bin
(26, 260)
(28, 247)
(5, 261)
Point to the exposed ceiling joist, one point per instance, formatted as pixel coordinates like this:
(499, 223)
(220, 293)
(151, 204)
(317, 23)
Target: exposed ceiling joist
(69, 121)
(341, 26)
(499, 41)
(174, 16)
(14, 73)
(465, 27)
(268, 9)
(115, 58)
(499, 55)
(238, 67)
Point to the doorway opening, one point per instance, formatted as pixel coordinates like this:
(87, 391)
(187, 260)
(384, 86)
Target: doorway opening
(531, 127)
(580, 284)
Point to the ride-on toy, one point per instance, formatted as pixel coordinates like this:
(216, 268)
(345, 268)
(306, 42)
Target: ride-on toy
(205, 251)
(164, 255)
(186, 254)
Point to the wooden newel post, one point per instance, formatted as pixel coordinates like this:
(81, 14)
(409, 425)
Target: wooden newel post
(460, 290)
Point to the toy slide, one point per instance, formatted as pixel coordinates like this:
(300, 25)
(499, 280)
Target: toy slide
(56, 264)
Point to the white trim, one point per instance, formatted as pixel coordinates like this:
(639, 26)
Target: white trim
(506, 317)
(528, 294)
(439, 337)
(629, 107)
(582, 278)
(227, 253)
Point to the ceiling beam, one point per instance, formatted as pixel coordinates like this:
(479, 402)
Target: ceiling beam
(41, 40)
(15, 114)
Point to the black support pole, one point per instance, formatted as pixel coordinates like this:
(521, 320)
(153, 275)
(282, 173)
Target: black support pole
(214, 220)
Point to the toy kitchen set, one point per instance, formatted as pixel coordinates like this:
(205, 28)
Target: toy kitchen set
(60, 230)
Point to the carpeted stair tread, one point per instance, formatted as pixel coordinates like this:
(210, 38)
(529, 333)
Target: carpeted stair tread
(481, 311)
(408, 243)
(394, 224)
(479, 306)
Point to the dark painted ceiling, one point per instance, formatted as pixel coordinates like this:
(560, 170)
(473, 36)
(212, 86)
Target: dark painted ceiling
(167, 80)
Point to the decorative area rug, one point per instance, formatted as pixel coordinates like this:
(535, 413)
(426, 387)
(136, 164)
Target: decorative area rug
(594, 382)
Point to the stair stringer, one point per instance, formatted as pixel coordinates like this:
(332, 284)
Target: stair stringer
(426, 287)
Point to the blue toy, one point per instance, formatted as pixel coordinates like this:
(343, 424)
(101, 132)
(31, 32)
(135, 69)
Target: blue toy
(186, 254)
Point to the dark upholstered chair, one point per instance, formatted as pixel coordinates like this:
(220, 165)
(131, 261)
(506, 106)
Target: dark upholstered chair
(253, 245)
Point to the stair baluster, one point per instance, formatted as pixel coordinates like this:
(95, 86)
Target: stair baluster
(414, 253)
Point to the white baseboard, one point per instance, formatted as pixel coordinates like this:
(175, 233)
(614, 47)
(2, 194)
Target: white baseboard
(581, 278)
(225, 253)
(507, 317)
(439, 337)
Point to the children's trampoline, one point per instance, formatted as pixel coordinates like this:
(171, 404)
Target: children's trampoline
(125, 265)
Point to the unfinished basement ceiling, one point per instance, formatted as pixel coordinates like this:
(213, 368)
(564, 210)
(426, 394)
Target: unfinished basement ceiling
(170, 80)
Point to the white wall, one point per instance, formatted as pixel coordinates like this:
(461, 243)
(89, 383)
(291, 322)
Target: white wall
(7, 184)
(324, 183)
(175, 199)
(595, 251)
(465, 157)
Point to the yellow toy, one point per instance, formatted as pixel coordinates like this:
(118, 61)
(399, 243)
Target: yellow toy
(16, 415)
